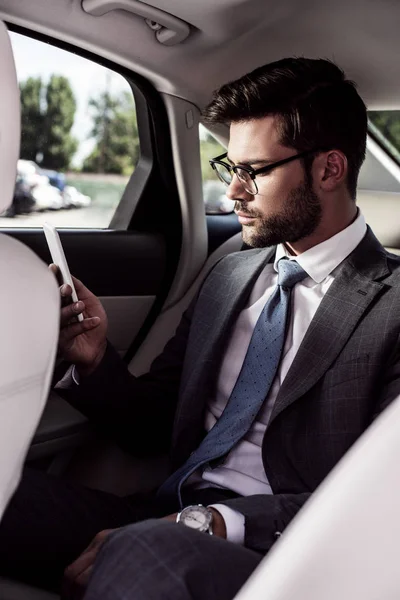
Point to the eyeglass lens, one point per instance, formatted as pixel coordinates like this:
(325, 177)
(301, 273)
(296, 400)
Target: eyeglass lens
(225, 175)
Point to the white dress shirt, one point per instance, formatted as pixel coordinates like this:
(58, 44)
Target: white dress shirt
(242, 471)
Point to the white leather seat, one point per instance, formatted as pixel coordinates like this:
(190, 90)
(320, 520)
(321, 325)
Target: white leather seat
(29, 306)
(29, 309)
(344, 543)
(382, 212)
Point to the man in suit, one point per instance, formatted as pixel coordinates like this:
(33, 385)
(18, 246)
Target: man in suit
(286, 356)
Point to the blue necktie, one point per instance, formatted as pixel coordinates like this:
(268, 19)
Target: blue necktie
(252, 386)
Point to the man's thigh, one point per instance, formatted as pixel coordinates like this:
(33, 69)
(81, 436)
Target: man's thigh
(50, 521)
(158, 560)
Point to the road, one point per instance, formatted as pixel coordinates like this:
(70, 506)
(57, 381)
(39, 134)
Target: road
(90, 217)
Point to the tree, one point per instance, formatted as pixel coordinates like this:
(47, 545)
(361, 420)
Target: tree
(209, 148)
(116, 134)
(388, 124)
(58, 144)
(48, 113)
(31, 118)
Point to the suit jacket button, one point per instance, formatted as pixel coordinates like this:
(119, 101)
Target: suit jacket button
(277, 534)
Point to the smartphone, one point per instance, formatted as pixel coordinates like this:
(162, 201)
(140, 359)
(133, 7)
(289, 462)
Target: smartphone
(58, 258)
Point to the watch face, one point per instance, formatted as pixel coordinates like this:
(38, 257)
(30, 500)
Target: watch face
(196, 517)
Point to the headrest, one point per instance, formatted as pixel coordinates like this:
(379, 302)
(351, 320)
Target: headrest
(10, 120)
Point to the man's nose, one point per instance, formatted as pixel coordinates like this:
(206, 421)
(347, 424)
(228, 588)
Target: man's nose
(235, 191)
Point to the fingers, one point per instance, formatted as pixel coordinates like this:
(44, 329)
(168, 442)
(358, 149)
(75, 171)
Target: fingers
(171, 518)
(77, 575)
(65, 292)
(53, 268)
(82, 563)
(70, 312)
(65, 289)
(57, 273)
(72, 330)
(81, 290)
(81, 582)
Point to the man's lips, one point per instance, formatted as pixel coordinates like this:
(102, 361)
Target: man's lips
(244, 218)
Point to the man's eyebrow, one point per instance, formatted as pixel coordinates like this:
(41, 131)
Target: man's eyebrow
(251, 161)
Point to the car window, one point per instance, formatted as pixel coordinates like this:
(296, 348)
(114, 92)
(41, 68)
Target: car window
(215, 200)
(384, 125)
(79, 139)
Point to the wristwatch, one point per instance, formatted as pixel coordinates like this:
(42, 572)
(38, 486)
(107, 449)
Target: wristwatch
(196, 517)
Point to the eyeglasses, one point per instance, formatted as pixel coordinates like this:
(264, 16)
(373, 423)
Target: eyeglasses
(247, 175)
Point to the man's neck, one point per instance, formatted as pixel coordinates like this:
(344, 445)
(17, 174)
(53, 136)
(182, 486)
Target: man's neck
(328, 227)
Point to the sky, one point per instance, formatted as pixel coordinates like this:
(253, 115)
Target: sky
(38, 59)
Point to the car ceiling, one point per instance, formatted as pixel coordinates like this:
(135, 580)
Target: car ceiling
(230, 37)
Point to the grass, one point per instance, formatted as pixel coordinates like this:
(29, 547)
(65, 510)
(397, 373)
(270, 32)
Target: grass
(104, 193)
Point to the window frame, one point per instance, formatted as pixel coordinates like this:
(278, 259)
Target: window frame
(375, 134)
(152, 122)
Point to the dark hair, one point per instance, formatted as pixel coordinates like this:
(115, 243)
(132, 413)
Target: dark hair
(318, 107)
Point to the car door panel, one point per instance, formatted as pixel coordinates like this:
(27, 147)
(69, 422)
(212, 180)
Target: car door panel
(126, 315)
(110, 263)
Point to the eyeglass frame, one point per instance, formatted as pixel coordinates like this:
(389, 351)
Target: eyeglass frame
(254, 172)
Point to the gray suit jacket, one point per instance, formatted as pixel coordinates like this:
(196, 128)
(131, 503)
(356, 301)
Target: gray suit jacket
(346, 371)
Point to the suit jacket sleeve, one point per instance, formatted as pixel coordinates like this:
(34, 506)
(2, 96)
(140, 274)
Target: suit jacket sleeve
(138, 412)
(266, 515)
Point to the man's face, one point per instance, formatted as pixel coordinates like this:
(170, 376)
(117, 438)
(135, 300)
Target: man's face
(286, 209)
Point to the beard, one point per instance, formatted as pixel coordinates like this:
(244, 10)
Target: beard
(298, 219)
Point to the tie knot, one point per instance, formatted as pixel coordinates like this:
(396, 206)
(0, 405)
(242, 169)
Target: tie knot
(289, 273)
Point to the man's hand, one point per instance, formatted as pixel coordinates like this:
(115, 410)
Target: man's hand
(218, 523)
(76, 576)
(82, 343)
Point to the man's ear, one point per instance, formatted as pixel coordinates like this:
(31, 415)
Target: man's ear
(332, 170)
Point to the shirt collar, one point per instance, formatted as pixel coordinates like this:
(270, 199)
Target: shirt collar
(319, 261)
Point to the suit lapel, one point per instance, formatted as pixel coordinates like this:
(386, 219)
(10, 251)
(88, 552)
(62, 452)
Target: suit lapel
(354, 288)
(231, 296)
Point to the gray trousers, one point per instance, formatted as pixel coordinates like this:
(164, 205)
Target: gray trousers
(159, 560)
